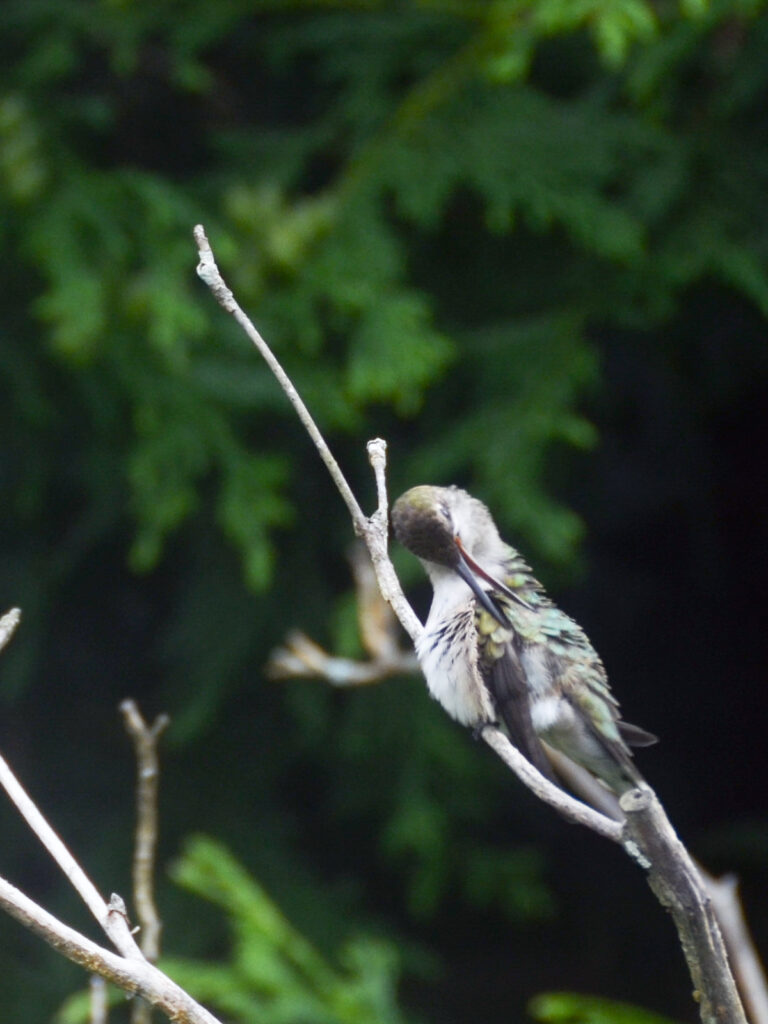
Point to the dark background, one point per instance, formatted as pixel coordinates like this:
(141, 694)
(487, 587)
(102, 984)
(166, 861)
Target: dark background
(527, 249)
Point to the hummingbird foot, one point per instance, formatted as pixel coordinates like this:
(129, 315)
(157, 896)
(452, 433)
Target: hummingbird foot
(477, 730)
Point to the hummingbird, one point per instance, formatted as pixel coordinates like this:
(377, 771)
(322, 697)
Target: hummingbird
(495, 647)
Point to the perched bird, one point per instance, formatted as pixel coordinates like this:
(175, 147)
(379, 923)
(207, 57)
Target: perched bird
(495, 646)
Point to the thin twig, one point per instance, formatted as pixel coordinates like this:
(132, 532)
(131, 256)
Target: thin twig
(98, 999)
(115, 925)
(571, 808)
(376, 537)
(209, 273)
(145, 738)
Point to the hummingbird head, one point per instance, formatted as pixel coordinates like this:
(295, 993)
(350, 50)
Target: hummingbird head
(438, 523)
(445, 526)
(423, 523)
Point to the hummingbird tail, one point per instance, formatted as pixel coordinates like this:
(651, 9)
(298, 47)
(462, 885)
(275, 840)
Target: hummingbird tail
(634, 736)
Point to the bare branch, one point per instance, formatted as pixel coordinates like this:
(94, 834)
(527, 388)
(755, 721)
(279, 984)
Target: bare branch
(8, 625)
(145, 739)
(98, 1000)
(114, 925)
(131, 971)
(678, 886)
(571, 808)
(724, 893)
(301, 658)
(132, 975)
(209, 273)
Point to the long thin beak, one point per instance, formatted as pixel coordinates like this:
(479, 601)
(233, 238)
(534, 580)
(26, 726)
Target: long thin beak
(469, 570)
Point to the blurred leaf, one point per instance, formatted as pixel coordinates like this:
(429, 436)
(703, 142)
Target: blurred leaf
(569, 1008)
(275, 973)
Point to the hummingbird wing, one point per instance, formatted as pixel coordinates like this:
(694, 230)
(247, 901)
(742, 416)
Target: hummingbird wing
(600, 712)
(598, 738)
(503, 675)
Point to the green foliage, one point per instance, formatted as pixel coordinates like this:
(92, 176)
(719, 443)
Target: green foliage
(433, 836)
(317, 256)
(570, 1008)
(536, 366)
(274, 974)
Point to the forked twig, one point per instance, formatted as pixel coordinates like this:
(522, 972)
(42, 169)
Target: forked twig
(115, 925)
(374, 530)
(130, 971)
(145, 738)
(132, 975)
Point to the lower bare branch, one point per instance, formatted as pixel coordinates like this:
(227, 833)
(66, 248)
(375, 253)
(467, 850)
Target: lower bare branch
(301, 658)
(114, 925)
(132, 975)
(678, 886)
(724, 893)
